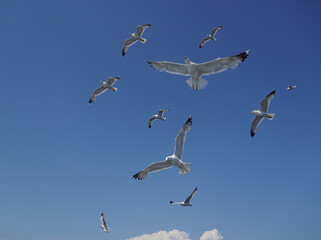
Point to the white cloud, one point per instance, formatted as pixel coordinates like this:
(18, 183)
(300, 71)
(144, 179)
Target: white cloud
(163, 235)
(211, 235)
(178, 235)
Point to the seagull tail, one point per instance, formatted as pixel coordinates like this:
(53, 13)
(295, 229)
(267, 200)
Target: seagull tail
(270, 116)
(197, 85)
(143, 40)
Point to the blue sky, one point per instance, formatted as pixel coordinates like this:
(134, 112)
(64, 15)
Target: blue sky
(63, 162)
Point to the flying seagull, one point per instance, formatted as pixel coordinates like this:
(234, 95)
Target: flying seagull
(196, 71)
(291, 87)
(103, 223)
(173, 160)
(211, 36)
(159, 115)
(134, 37)
(262, 113)
(186, 202)
(104, 87)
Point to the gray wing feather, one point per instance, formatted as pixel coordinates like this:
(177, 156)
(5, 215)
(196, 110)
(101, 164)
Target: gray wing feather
(265, 103)
(174, 68)
(161, 112)
(112, 80)
(150, 122)
(188, 199)
(254, 125)
(221, 64)
(180, 138)
(126, 44)
(215, 30)
(204, 41)
(154, 167)
(141, 28)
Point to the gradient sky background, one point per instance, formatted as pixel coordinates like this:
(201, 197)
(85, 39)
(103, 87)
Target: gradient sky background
(63, 162)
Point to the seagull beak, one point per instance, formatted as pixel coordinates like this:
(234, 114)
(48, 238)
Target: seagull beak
(252, 112)
(165, 160)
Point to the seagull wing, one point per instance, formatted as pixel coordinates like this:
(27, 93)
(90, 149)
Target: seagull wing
(180, 138)
(141, 28)
(97, 92)
(112, 80)
(127, 44)
(204, 41)
(154, 167)
(188, 199)
(255, 123)
(221, 64)
(215, 30)
(264, 105)
(174, 68)
(161, 112)
(151, 120)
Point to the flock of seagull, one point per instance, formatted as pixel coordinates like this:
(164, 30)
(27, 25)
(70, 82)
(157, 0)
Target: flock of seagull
(195, 72)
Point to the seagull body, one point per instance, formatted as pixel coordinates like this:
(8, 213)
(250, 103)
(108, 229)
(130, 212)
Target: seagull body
(187, 200)
(173, 160)
(196, 71)
(103, 223)
(210, 36)
(262, 113)
(104, 87)
(134, 37)
(159, 115)
(291, 87)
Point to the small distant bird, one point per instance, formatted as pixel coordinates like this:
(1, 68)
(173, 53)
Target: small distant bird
(196, 71)
(291, 87)
(134, 37)
(104, 87)
(186, 202)
(211, 36)
(103, 223)
(173, 160)
(159, 115)
(262, 113)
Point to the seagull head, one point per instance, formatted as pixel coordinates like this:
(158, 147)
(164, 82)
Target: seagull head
(254, 111)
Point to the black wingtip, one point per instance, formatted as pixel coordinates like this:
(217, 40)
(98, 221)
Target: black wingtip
(90, 101)
(101, 214)
(243, 55)
(171, 202)
(137, 176)
(123, 53)
(200, 46)
(189, 120)
(252, 134)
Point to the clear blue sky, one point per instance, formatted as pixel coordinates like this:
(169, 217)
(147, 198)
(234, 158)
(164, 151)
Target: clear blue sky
(63, 162)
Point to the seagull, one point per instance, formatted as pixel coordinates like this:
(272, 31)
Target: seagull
(104, 87)
(103, 223)
(159, 115)
(186, 202)
(211, 36)
(291, 87)
(262, 113)
(195, 71)
(173, 160)
(134, 37)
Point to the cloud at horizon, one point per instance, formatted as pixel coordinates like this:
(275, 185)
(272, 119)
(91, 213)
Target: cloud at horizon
(178, 235)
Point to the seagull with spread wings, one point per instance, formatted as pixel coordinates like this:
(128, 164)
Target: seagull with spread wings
(134, 37)
(104, 87)
(186, 202)
(196, 71)
(103, 223)
(159, 115)
(173, 160)
(262, 113)
(210, 36)
(291, 87)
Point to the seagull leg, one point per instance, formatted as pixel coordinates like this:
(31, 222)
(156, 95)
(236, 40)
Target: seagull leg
(184, 172)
